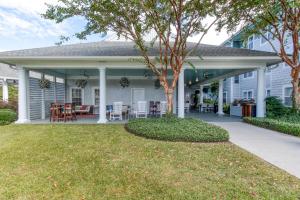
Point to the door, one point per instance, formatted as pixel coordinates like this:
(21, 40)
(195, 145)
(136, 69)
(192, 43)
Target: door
(137, 94)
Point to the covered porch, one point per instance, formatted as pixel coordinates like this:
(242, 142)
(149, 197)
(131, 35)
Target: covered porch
(102, 66)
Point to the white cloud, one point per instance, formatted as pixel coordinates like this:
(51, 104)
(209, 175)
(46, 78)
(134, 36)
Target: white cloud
(22, 18)
(27, 6)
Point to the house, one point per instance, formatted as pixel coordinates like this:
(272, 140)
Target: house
(8, 75)
(102, 65)
(277, 77)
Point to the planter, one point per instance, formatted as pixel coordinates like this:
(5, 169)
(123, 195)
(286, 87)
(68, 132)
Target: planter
(236, 111)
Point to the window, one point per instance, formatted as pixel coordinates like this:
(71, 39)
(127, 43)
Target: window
(225, 97)
(250, 42)
(268, 92)
(263, 40)
(287, 96)
(248, 75)
(96, 96)
(248, 94)
(77, 96)
(237, 79)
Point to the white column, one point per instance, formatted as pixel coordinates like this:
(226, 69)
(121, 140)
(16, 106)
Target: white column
(201, 94)
(231, 89)
(43, 102)
(174, 102)
(201, 98)
(102, 93)
(22, 96)
(4, 90)
(220, 98)
(260, 98)
(181, 94)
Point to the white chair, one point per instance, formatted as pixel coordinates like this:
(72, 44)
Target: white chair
(141, 109)
(116, 112)
(187, 107)
(204, 107)
(163, 108)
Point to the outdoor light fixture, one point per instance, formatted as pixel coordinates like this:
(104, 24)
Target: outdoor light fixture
(190, 82)
(197, 79)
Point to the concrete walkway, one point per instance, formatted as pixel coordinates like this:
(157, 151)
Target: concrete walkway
(276, 148)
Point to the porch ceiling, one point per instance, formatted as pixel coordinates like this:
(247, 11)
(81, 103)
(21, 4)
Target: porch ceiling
(191, 75)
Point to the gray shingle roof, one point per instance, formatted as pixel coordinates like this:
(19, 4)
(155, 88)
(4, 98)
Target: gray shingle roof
(117, 48)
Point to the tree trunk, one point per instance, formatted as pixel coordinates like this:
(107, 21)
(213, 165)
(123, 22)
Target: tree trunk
(170, 101)
(296, 90)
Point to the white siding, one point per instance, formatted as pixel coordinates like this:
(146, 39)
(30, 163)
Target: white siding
(117, 93)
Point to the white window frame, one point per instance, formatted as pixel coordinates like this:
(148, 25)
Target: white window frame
(267, 35)
(82, 94)
(251, 36)
(94, 95)
(248, 77)
(283, 96)
(237, 79)
(243, 91)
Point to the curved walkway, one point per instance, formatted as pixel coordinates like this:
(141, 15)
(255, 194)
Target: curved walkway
(276, 148)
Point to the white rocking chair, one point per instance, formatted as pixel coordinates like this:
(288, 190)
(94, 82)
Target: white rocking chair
(141, 111)
(116, 113)
(163, 108)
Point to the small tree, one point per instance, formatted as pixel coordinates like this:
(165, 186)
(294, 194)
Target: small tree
(275, 21)
(171, 21)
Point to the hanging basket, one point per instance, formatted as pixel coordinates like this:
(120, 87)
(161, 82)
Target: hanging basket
(124, 82)
(81, 83)
(44, 83)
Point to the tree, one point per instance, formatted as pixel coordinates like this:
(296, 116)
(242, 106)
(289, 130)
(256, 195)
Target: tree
(173, 22)
(275, 21)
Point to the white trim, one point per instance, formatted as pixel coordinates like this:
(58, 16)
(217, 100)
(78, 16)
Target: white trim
(260, 40)
(126, 58)
(93, 95)
(283, 96)
(252, 42)
(82, 94)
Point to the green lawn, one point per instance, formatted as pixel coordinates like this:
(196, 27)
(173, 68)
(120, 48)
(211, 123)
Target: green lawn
(106, 162)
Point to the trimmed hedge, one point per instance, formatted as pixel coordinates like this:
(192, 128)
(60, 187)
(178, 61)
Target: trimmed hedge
(275, 124)
(7, 116)
(176, 129)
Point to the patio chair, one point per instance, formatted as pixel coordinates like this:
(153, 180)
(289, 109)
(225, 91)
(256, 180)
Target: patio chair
(204, 107)
(157, 105)
(141, 111)
(163, 108)
(69, 112)
(152, 108)
(116, 112)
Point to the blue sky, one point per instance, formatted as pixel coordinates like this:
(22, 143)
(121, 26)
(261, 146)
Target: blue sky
(21, 27)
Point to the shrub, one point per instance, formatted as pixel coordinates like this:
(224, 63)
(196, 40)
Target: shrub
(7, 116)
(226, 108)
(12, 105)
(176, 129)
(275, 124)
(275, 108)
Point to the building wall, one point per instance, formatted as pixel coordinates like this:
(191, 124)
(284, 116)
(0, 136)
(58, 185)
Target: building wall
(276, 79)
(114, 91)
